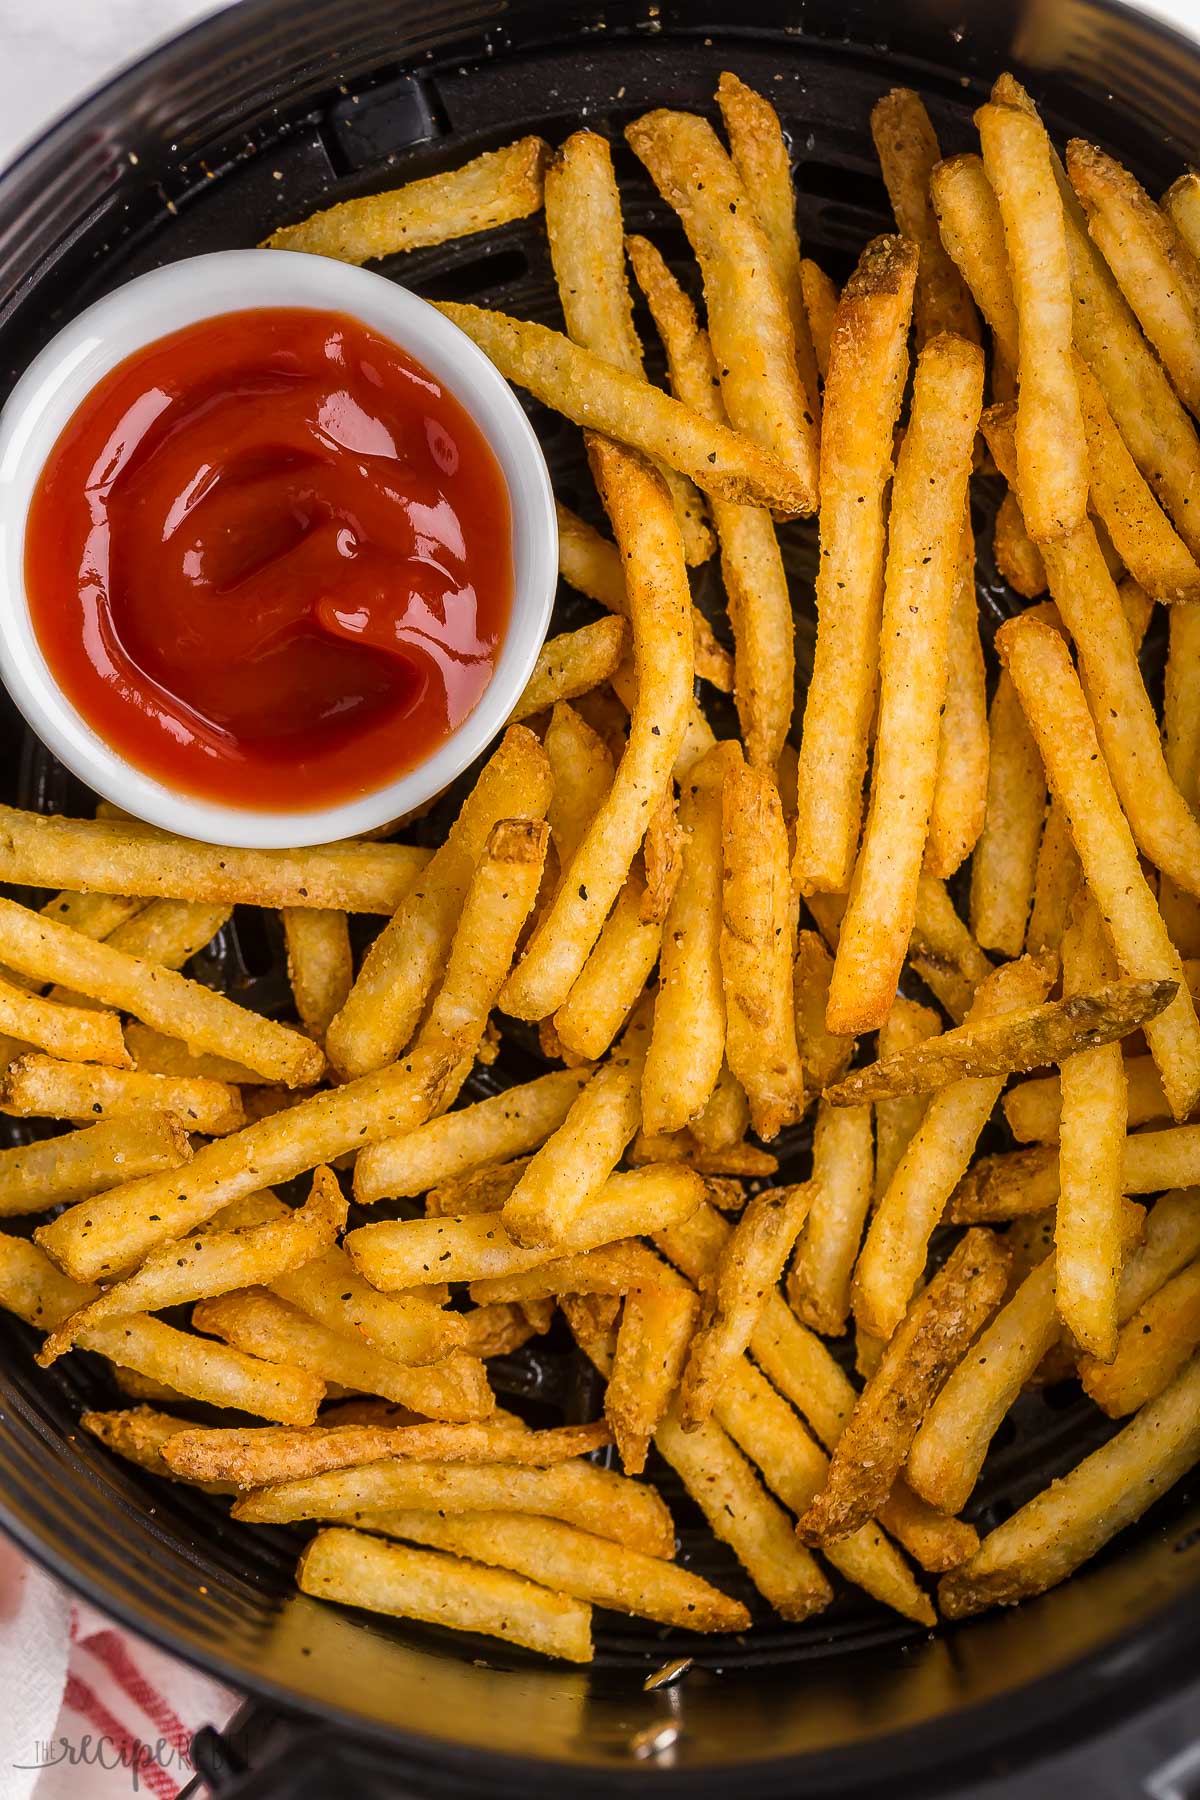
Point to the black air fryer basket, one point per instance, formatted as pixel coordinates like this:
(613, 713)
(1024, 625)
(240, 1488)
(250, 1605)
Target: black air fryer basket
(257, 117)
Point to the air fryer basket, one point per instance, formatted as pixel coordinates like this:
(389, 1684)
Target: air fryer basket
(257, 117)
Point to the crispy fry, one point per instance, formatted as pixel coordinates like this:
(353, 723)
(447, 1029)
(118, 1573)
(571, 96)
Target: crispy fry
(475, 1137)
(1153, 1346)
(483, 1192)
(384, 1005)
(868, 367)
(358, 1570)
(100, 854)
(823, 1057)
(154, 1053)
(319, 964)
(139, 1436)
(960, 795)
(656, 1330)
(820, 307)
(571, 664)
(613, 977)
(896, 1120)
(725, 1116)
(405, 1327)
(1018, 559)
(819, 1280)
(1181, 744)
(73, 1033)
(928, 499)
(1033, 1109)
(943, 952)
(1182, 204)
(1070, 1520)
(1004, 866)
(581, 770)
(1037, 660)
(662, 853)
(1055, 881)
(38, 1087)
(78, 1164)
(1024, 1181)
(756, 950)
(610, 1269)
(972, 231)
(939, 1326)
(752, 336)
(908, 151)
(749, 1267)
(894, 1253)
(738, 1159)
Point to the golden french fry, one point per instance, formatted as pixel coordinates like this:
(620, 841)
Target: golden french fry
(1033, 1109)
(1070, 1520)
(1056, 878)
(1152, 1347)
(38, 1087)
(894, 1252)
(581, 770)
(1025, 1038)
(213, 1262)
(935, 1334)
(384, 1005)
(662, 854)
(405, 1327)
(139, 1435)
(108, 1235)
(491, 1131)
(656, 1330)
(483, 1192)
(1170, 1241)
(820, 306)
(726, 464)
(1004, 866)
(264, 1326)
(571, 664)
(490, 190)
(928, 501)
(868, 367)
(1024, 1181)
(725, 1117)
(154, 1053)
(752, 336)
(104, 854)
(1054, 705)
(960, 794)
(943, 952)
(358, 1570)
(78, 1164)
(609, 1269)
(819, 1280)
(1018, 559)
(896, 1120)
(614, 975)
(72, 1033)
(749, 1267)
(738, 1159)
(1051, 446)
(823, 1057)
(972, 233)
(1182, 204)
(320, 969)
(756, 586)
(574, 1562)
(597, 1500)
(1181, 744)
(908, 152)
(169, 931)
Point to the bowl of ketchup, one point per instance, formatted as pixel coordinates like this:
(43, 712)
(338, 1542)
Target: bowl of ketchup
(277, 548)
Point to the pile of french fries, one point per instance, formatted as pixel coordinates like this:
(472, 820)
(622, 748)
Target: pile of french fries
(714, 939)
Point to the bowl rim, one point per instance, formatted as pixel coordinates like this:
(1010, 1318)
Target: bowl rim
(217, 284)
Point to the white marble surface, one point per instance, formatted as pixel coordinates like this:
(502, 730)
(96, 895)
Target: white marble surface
(54, 51)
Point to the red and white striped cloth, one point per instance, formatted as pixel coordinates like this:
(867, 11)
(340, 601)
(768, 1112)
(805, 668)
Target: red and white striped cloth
(87, 1711)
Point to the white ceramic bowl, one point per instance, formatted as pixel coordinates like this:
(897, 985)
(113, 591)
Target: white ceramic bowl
(203, 287)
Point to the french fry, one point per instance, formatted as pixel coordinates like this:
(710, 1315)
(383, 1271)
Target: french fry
(1033, 1109)
(213, 1262)
(614, 975)
(972, 232)
(896, 1120)
(726, 464)
(739, 1159)
(575, 1562)
(1018, 559)
(1023, 1181)
(37, 1292)
(649, 537)
(894, 1251)
(404, 1253)
(1027, 1037)
(483, 1192)
(1069, 1521)
(943, 952)
(490, 190)
(169, 931)
(384, 1005)
(154, 1053)
(1154, 268)
(725, 1117)
(1181, 203)
(743, 1515)
(586, 233)
(405, 1327)
(823, 1057)
(359, 1570)
(1170, 1241)
(264, 1326)
(760, 155)
(908, 152)
(1152, 1347)
(749, 1267)
(751, 565)
(264, 1455)
(1054, 705)
(78, 1164)
(1181, 745)
(571, 664)
(960, 794)
(609, 1269)
(475, 1137)
(687, 1042)
(661, 853)
(72, 1033)
(592, 564)
(593, 1499)
(99, 855)
(928, 498)
(949, 1449)
(818, 1285)
(319, 965)
(820, 306)
(581, 770)
(1004, 867)
(653, 1338)
(748, 318)
(110, 1234)
(1051, 445)
(934, 1336)
(1055, 881)
(139, 1435)
(38, 1087)
(868, 367)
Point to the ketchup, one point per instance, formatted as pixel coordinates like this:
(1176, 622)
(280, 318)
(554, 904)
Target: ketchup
(269, 560)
